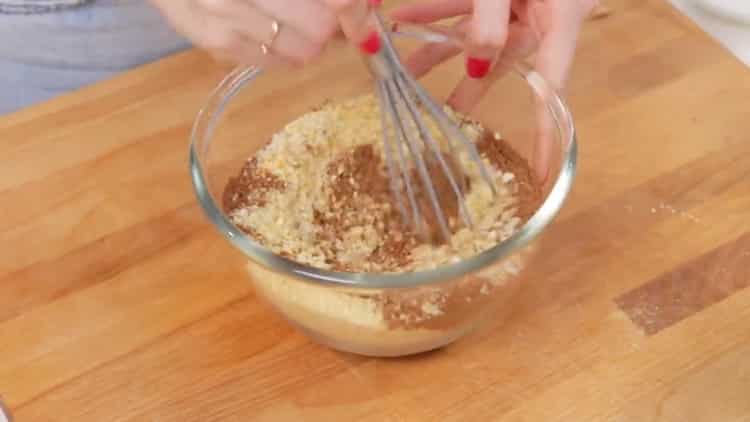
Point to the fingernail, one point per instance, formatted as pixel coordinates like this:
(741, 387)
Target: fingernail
(371, 44)
(477, 68)
(375, 3)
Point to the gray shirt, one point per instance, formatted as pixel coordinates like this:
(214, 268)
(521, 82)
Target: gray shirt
(26, 7)
(45, 54)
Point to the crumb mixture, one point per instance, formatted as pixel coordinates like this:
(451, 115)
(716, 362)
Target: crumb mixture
(318, 193)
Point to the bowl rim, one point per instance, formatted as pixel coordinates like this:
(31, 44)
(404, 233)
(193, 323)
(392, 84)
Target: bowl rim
(4, 412)
(206, 122)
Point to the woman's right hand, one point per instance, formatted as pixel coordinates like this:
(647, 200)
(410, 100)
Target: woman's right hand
(237, 30)
(498, 31)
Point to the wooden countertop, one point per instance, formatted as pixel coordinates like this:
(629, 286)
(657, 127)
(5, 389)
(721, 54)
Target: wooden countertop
(119, 302)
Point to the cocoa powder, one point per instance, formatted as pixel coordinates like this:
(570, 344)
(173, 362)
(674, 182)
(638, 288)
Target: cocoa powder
(250, 187)
(361, 175)
(503, 156)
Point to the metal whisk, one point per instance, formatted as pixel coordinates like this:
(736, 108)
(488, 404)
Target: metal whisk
(411, 152)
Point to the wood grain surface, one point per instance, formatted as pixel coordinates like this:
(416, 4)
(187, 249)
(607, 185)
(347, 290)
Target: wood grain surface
(119, 302)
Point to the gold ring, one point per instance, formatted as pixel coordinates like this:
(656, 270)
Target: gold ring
(275, 30)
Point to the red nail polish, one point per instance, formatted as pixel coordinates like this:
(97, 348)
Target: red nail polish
(371, 44)
(477, 68)
(376, 3)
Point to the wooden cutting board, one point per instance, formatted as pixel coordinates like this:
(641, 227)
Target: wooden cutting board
(118, 301)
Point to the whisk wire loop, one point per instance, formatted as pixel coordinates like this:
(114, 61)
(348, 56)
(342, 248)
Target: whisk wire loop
(408, 144)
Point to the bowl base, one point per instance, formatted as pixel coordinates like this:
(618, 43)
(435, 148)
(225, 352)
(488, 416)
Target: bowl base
(382, 351)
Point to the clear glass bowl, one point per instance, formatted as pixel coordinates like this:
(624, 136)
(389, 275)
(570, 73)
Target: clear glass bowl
(365, 313)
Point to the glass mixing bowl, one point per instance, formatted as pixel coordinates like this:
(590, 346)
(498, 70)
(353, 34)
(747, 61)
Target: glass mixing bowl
(366, 313)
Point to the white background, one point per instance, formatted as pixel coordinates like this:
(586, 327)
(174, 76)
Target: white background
(735, 36)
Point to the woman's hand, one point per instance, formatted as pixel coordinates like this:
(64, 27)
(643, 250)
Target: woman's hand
(499, 32)
(244, 32)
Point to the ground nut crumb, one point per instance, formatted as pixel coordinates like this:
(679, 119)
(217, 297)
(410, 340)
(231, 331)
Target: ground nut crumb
(319, 194)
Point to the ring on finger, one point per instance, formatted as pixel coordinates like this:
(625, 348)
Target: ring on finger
(275, 30)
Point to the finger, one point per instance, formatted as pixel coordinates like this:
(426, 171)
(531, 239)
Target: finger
(353, 15)
(544, 142)
(488, 31)
(248, 53)
(289, 43)
(469, 92)
(520, 10)
(558, 42)
(553, 62)
(229, 46)
(312, 18)
(431, 11)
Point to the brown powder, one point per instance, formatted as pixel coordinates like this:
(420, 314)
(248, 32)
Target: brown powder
(503, 156)
(455, 301)
(250, 187)
(361, 196)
